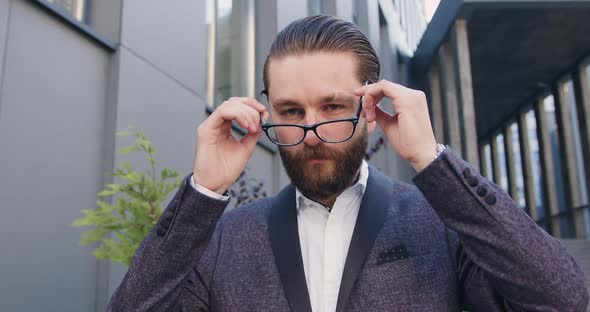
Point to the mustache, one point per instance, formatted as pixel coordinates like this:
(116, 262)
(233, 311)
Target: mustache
(319, 151)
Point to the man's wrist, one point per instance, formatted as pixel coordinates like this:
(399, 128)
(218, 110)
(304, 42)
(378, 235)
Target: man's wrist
(217, 190)
(428, 157)
(205, 191)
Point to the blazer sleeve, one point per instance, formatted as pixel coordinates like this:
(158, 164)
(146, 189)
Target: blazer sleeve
(504, 261)
(168, 270)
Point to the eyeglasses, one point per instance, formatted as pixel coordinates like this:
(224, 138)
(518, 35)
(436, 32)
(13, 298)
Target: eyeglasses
(332, 131)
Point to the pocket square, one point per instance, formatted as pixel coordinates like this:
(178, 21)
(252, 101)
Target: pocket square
(393, 254)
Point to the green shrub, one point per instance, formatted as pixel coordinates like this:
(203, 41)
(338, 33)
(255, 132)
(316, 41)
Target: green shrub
(119, 228)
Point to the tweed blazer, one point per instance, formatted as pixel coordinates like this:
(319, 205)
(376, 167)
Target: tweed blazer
(454, 241)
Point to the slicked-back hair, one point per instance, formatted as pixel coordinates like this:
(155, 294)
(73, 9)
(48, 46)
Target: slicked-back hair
(322, 33)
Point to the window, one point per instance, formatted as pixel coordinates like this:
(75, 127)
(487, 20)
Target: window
(518, 172)
(568, 88)
(488, 169)
(501, 165)
(99, 20)
(536, 166)
(231, 53)
(76, 8)
(570, 97)
(314, 7)
(587, 209)
(549, 106)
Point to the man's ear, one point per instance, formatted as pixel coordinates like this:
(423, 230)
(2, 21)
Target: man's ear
(371, 126)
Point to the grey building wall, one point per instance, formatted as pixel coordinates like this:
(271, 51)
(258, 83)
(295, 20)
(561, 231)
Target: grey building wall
(52, 103)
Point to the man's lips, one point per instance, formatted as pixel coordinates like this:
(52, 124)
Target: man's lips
(316, 160)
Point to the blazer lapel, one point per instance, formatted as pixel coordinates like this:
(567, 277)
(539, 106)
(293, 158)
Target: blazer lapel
(284, 238)
(376, 201)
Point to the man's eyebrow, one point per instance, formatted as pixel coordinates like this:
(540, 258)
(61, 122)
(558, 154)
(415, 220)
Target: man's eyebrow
(284, 102)
(338, 98)
(331, 98)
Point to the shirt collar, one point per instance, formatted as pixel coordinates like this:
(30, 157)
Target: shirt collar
(358, 188)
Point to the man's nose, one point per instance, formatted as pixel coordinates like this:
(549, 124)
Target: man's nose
(311, 139)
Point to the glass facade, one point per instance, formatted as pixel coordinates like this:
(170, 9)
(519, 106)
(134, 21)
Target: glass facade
(549, 110)
(99, 19)
(75, 8)
(487, 162)
(582, 187)
(535, 164)
(519, 197)
(315, 7)
(549, 106)
(501, 165)
(231, 53)
(570, 98)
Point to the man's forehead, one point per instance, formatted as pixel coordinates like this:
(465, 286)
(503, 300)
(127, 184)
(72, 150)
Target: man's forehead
(320, 98)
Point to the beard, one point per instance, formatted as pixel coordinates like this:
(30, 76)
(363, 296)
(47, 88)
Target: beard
(322, 180)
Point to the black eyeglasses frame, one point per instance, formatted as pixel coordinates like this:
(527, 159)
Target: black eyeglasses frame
(354, 120)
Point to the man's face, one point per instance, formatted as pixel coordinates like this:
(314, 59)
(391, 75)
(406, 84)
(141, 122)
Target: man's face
(312, 88)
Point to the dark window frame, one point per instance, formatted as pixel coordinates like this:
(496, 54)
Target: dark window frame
(83, 28)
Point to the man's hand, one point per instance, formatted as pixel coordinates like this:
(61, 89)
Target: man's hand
(219, 156)
(409, 131)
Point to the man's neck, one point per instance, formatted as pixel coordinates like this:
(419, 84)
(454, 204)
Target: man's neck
(330, 200)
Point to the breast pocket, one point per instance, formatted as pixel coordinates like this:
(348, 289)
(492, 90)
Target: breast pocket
(412, 271)
(411, 284)
(408, 266)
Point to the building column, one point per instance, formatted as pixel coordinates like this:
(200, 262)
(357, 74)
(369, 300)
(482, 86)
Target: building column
(546, 157)
(465, 92)
(581, 82)
(368, 21)
(496, 173)
(286, 11)
(436, 106)
(527, 167)
(567, 152)
(483, 162)
(510, 163)
(450, 98)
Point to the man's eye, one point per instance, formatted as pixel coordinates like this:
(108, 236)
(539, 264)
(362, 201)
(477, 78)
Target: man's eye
(291, 112)
(334, 107)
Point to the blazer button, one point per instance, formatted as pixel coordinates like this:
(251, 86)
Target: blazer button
(168, 215)
(160, 231)
(165, 223)
(467, 173)
(172, 206)
(481, 191)
(490, 199)
(472, 181)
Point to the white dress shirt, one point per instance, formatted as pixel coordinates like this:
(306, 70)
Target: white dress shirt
(324, 238)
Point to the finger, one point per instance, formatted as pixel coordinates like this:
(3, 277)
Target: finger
(361, 90)
(384, 88)
(253, 118)
(383, 118)
(245, 116)
(259, 107)
(242, 121)
(265, 116)
(369, 102)
(250, 140)
(252, 110)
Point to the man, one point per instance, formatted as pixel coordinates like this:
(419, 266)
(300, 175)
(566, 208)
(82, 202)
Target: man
(342, 236)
